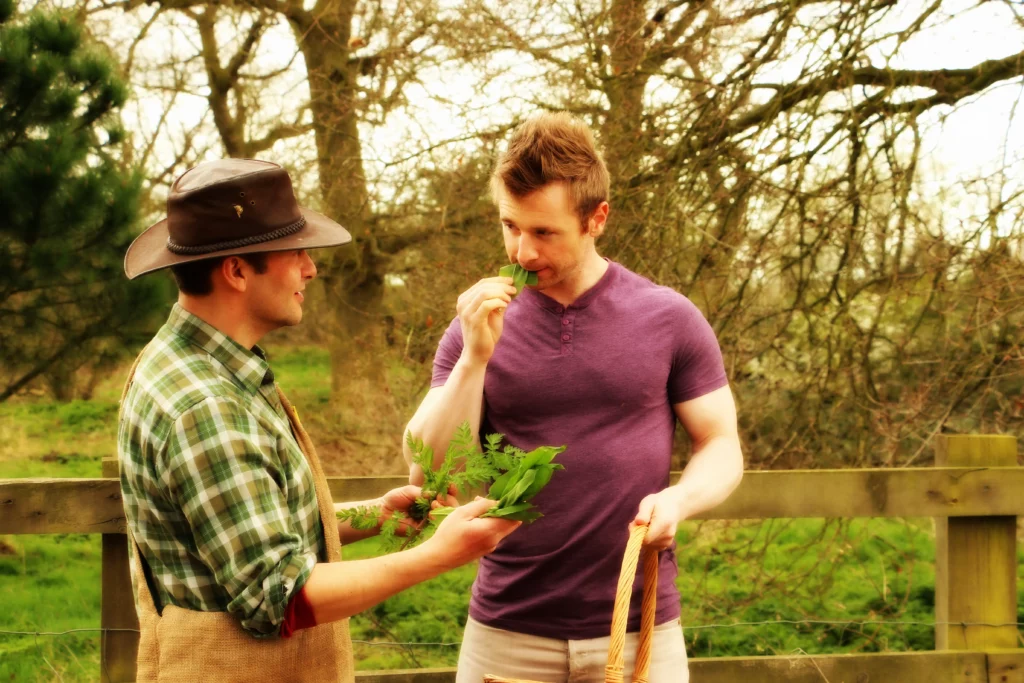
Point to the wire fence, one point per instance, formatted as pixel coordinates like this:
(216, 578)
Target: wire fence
(695, 627)
(448, 648)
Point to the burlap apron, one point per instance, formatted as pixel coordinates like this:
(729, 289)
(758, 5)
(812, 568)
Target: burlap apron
(186, 645)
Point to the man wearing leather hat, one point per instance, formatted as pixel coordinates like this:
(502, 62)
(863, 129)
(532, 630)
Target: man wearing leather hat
(236, 547)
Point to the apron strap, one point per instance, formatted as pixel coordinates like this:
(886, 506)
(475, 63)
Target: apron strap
(323, 491)
(144, 582)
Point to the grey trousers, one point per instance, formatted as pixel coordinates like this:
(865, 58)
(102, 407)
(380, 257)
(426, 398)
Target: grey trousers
(488, 650)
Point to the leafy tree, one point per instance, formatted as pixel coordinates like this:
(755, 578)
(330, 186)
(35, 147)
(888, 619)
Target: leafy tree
(68, 207)
(770, 161)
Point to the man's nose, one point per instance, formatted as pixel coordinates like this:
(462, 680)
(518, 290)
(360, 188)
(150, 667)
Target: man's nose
(527, 251)
(308, 267)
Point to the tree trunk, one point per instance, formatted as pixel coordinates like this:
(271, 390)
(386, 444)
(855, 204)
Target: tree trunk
(622, 132)
(352, 275)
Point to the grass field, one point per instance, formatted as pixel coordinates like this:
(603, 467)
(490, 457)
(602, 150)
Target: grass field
(772, 573)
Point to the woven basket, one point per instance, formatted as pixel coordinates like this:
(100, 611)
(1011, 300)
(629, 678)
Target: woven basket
(620, 614)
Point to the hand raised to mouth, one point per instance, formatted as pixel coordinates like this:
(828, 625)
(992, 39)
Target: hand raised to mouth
(520, 276)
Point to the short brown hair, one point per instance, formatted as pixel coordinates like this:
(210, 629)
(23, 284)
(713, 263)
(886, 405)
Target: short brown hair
(195, 278)
(552, 147)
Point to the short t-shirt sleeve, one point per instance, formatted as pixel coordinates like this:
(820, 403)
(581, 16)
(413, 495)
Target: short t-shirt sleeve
(448, 351)
(697, 365)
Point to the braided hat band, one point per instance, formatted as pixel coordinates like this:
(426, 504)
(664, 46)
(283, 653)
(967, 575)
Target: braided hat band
(234, 244)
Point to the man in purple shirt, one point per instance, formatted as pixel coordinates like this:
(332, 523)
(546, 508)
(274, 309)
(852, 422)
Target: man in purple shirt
(599, 359)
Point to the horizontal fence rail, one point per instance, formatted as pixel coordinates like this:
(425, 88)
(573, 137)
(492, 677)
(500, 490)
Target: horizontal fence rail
(93, 506)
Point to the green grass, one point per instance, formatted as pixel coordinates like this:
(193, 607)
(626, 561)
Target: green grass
(46, 439)
(305, 373)
(432, 612)
(807, 570)
(49, 584)
(43, 438)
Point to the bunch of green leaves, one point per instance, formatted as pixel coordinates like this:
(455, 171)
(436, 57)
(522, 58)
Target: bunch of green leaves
(516, 475)
(523, 476)
(520, 276)
(396, 530)
(464, 466)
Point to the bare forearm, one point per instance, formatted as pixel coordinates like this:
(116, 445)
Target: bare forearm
(337, 590)
(714, 471)
(458, 401)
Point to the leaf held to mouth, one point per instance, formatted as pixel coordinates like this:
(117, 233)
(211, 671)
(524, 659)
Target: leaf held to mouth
(520, 276)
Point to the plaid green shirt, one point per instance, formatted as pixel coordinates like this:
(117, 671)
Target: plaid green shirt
(216, 491)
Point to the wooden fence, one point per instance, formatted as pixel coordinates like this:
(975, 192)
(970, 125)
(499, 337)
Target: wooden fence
(975, 496)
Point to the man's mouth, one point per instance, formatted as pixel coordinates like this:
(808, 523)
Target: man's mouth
(301, 297)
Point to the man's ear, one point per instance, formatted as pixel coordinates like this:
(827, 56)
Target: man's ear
(234, 272)
(598, 220)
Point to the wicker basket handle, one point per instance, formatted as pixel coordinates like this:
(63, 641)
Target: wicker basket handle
(620, 614)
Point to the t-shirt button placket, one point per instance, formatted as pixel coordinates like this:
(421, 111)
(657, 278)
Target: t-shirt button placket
(566, 331)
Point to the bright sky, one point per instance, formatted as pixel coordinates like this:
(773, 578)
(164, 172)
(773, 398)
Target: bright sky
(975, 138)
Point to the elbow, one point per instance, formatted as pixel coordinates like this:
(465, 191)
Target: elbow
(737, 470)
(262, 604)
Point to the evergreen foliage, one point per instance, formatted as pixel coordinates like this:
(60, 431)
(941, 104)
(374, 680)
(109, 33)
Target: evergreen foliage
(67, 206)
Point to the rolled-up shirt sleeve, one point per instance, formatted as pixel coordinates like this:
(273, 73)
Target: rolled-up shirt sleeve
(224, 473)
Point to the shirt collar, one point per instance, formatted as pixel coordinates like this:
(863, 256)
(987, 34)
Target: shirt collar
(584, 300)
(249, 366)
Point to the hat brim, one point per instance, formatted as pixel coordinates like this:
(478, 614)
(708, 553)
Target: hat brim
(149, 252)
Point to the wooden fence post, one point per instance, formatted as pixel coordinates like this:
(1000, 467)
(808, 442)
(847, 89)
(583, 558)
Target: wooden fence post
(976, 558)
(118, 649)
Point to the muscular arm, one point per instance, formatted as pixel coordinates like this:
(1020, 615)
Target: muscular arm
(714, 470)
(716, 466)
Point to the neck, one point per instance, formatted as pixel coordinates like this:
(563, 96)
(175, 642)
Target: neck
(228, 317)
(591, 269)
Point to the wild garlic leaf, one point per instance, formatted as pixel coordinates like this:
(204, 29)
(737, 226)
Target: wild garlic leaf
(506, 511)
(500, 485)
(514, 493)
(520, 276)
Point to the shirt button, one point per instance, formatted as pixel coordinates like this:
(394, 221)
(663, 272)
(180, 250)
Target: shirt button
(559, 309)
(566, 337)
(565, 321)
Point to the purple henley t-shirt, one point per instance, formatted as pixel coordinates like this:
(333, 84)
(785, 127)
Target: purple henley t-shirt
(601, 377)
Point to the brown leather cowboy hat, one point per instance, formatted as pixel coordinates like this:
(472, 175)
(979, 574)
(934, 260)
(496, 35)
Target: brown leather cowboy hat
(226, 207)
